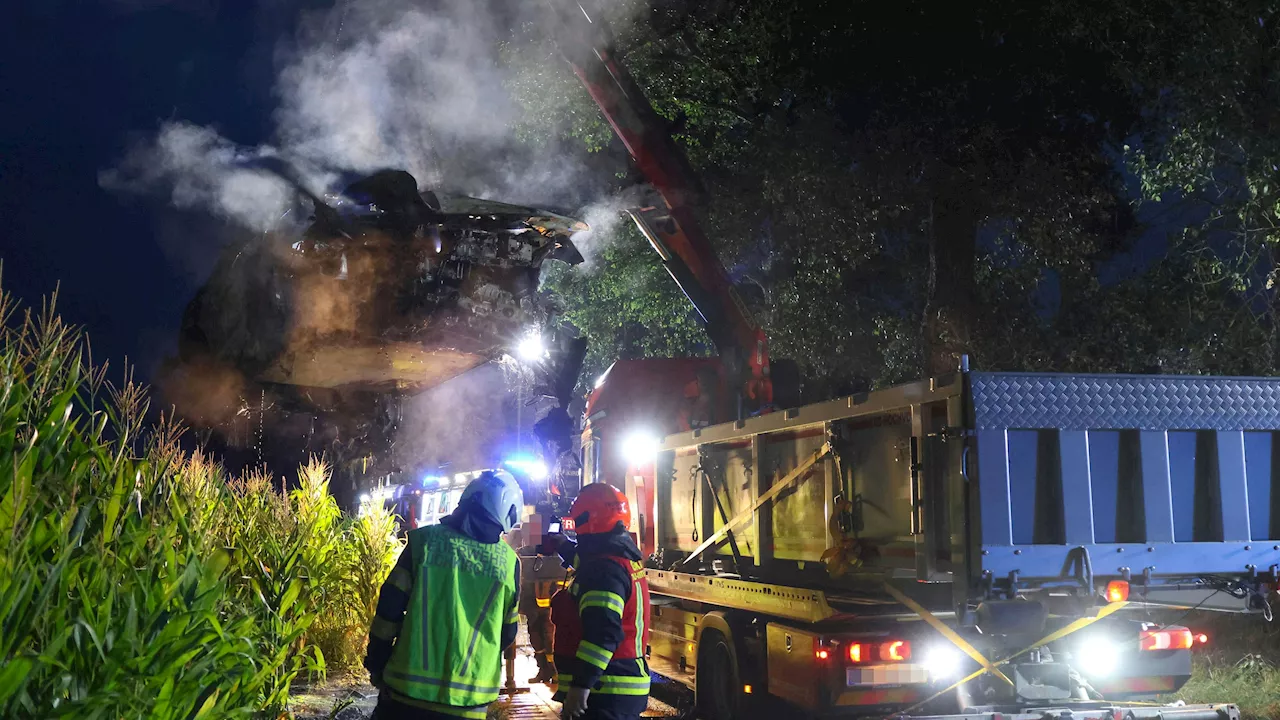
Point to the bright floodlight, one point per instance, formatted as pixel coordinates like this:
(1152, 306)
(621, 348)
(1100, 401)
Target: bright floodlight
(639, 447)
(942, 662)
(531, 348)
(1095, 657)
(366, 497)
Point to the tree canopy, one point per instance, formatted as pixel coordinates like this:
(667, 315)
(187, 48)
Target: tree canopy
(1071, 185)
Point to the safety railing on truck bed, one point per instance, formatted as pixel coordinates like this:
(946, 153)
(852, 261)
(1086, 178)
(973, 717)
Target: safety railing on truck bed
(1100, 476)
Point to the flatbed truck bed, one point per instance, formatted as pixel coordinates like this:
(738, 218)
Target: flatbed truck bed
(960, 547)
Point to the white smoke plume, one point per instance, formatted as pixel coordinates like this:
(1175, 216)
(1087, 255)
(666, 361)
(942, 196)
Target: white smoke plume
(365, 86)
(200, 169)
(404, 85)
(605, 216)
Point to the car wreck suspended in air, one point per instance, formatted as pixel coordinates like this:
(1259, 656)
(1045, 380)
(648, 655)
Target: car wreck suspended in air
(387, 292)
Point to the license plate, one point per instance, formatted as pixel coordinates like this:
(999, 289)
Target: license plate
(885, 675)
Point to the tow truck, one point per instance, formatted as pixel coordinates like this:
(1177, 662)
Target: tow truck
(974, 545)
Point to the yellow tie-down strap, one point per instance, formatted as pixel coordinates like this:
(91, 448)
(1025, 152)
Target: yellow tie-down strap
(948, 633)
(987, 665)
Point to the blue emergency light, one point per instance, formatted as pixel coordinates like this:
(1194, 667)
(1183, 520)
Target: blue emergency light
(529, 466)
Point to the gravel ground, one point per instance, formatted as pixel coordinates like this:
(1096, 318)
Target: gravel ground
(317, 702)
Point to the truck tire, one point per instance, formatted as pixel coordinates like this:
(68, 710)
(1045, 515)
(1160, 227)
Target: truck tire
(719, 685)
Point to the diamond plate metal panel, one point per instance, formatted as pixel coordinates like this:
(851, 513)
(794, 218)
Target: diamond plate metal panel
(1124, 402)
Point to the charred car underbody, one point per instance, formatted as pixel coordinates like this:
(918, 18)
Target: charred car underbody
(387, 292)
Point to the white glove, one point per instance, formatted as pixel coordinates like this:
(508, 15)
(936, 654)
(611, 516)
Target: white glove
(575, 702)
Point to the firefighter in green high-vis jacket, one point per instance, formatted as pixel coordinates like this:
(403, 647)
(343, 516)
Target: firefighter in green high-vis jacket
(448, 610)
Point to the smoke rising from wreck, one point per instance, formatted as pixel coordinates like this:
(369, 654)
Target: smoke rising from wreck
(361, 87)
(605, 216)
(366, 86)
(199, 169)
(465, 423)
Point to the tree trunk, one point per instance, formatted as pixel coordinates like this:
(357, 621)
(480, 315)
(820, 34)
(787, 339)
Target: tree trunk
(950, 305)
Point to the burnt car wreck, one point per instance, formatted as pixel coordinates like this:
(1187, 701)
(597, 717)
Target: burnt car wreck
(386, 292)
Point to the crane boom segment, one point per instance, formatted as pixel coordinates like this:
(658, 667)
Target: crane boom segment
(673, 231)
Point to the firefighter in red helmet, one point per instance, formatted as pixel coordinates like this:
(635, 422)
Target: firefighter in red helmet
(601, 618)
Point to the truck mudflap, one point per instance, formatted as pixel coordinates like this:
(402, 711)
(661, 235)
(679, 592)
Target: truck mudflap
(1093, 711)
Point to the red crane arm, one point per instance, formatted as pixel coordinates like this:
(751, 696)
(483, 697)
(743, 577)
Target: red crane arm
(673, 231)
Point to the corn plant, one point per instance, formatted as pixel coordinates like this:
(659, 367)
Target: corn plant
(140, 581)
(375, 549)
(111, 605)
(362, 554)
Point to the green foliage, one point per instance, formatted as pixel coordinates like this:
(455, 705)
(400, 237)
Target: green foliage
(135, 580)
(1207, 153)
(113, 602)
(850, 172)
(1239, 664)
(1250, 684)
(627, 303)
(362, 554)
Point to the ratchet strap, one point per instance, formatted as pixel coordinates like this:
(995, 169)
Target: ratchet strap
(845, 552)
(988, 666)
(948, 633)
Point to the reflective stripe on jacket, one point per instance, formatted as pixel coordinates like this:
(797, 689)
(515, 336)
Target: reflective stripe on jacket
(449, 649)
(602, 628)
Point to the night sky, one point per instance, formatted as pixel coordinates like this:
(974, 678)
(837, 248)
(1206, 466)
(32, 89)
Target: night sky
(80, 81)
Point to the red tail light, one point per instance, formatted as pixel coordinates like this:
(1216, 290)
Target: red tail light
(1202, 639)
(1170, 639)
(891, 651)
(823, 654)
(897, 651)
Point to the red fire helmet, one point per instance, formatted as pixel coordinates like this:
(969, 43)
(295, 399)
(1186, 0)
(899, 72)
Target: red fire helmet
(599, 508)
